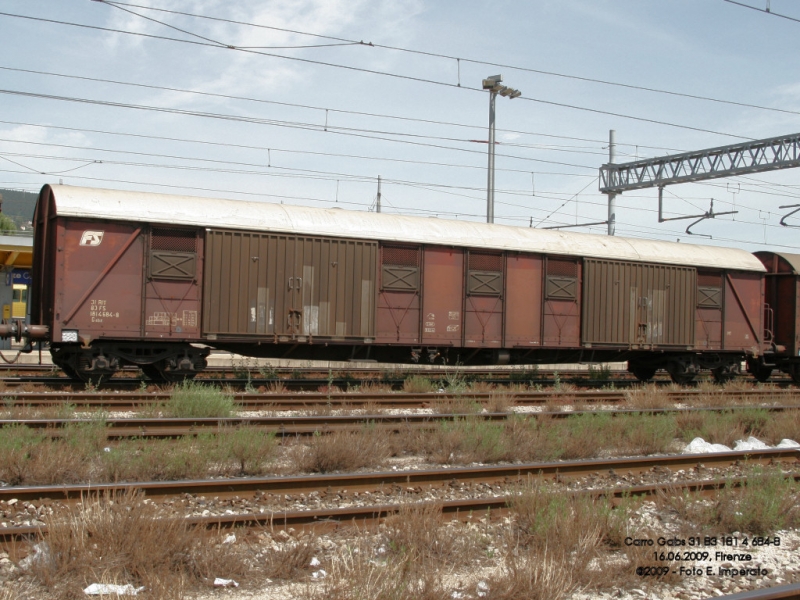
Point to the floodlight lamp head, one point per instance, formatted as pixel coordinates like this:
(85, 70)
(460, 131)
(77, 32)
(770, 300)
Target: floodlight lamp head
(505, 91)
(516, 94)
(491, 82)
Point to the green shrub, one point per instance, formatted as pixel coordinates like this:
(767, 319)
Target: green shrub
(17, 445)
(192, 399)
(249, 447)
(416, 384)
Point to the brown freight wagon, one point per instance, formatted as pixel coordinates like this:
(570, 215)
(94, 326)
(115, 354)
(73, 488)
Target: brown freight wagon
(156, 281)
(782, 293)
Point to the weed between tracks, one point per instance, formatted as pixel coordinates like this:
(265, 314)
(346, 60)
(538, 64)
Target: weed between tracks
(552, 543)
(343, 451)
(83, 453)
(542, 438)
(193, 399)
(129, 540)
(767, 502)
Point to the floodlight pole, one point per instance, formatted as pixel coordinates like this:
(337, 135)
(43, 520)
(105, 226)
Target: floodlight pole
(493, 85)
(490, 182)
(612, 197)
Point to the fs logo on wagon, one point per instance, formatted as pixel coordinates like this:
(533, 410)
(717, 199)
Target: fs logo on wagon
(91, 238)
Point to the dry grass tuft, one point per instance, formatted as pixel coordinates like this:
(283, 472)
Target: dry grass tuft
(641, 433)
(712, 396)
(343, 451)
(500, 401)
(781, 427)
(358, 573)
(329, 389)
(374, 387)
(565, 522)
(466, 440)
(558, 401)
(409, 560)
(416, 384)
(194, 399)
(533, 576)
(250, 447)
(647, 396)
(128, 540)
(290, 562)
(481, 386)
(455, 405)
(276, 387)
(553, 529)
(418, 536)
(768, 502)
(725, 427)
(370, 407)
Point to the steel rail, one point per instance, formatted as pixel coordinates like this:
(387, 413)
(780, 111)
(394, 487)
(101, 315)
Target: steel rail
(300, 401)
(167, 427)
(386, 479)
(782, 592)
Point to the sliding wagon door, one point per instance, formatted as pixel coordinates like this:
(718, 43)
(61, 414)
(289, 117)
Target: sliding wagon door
(288, 287)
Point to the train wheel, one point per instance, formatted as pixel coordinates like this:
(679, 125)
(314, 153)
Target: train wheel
(725, 373)
(89, 366)
(70, 372)
(681, 373)
(177, 368)
(152, 372)
(794, 371)
(759, 370)
(642, 373)
(161, 371)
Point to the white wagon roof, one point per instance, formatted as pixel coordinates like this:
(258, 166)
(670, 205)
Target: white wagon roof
(212, 213)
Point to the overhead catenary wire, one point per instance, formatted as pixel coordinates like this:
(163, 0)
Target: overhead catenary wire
(320, 108)
(313, 174)
(382, 73)
(460, 59)
(767, 11)
(753, 187)
(248, 147)
(350, 131)
(586, 176)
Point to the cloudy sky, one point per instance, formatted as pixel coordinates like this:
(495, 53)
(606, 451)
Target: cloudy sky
(310, 101)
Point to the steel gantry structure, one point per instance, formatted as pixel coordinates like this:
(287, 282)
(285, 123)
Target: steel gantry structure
(782, 152)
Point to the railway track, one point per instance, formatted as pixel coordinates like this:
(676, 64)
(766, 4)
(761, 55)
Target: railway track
(783, 592)
(310, 382)
(337, 400)
(332, 518)
(302, 425)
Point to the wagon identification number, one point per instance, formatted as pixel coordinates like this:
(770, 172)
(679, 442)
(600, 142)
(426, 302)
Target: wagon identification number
(98, 310)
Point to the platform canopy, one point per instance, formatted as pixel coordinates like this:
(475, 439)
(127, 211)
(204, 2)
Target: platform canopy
(16, 251)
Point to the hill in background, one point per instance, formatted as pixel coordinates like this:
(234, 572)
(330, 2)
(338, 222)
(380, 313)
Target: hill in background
(18, 205)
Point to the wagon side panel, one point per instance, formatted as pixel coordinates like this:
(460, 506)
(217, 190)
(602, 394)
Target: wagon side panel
(172, 285)
(484, 296)
(561, 316)
(399, 295)
(442, 296)
(743, 315)
(98, 286)
(638, 305)
(523, 327)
